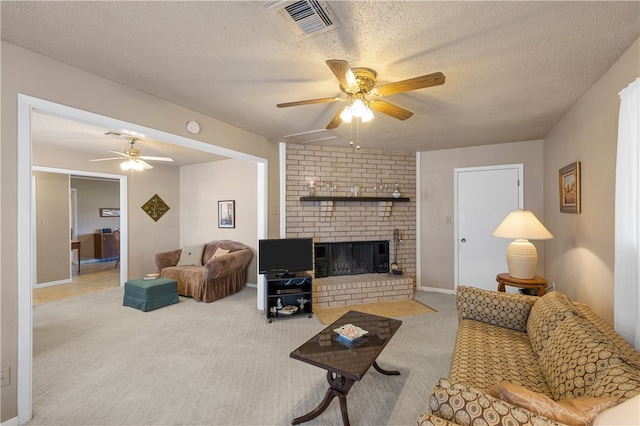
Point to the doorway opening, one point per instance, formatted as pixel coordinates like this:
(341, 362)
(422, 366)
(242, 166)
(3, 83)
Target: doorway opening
(27, 104)
(86, 274)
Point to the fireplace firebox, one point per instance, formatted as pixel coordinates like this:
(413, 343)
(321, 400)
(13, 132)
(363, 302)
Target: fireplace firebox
(351, 258)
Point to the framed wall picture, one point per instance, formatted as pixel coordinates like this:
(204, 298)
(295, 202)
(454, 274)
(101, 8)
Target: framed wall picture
(570, 188)
(110, 212)
(227, 214)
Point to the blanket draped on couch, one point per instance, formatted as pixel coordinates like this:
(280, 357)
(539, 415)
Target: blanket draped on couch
(215, 278)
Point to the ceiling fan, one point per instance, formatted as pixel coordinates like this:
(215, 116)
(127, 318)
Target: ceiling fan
(359, 86)
(133, 159)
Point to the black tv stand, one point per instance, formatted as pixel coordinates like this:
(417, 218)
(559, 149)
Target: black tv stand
(285, 275)
(286, 290)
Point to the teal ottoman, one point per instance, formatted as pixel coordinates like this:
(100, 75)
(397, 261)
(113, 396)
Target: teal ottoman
(148, 295)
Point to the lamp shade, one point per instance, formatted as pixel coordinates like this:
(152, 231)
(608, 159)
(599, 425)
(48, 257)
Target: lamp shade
(522, 224)
(522, 256)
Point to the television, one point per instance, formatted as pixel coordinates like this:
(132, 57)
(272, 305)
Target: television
(285, 256)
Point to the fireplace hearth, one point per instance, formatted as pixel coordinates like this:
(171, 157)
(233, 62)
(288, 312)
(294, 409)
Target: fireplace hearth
(351, 258)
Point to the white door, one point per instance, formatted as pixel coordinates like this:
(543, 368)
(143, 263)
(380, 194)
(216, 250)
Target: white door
(483, 198)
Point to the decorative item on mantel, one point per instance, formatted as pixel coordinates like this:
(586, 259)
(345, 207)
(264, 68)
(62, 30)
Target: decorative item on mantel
(396, 191)
(311, 186)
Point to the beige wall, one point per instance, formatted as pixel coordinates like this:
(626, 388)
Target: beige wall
(145, 237)
(52, 228)
(35, 75)
(201, 186)
(580, 257)
(436, 187)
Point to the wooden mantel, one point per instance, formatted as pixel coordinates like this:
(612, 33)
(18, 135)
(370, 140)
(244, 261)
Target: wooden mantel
(355, 199)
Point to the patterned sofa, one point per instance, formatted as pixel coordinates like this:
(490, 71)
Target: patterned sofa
(214, 270)
(538, 361)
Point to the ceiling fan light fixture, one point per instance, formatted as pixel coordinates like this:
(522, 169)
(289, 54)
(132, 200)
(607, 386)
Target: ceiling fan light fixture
(347, 114)
(358, 108)
(367, 115)
(132, 164)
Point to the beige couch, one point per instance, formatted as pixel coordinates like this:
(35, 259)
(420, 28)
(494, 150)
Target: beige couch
(211, 277)
(526, 360)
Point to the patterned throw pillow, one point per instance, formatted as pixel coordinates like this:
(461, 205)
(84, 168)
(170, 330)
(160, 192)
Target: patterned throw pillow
(573, 356)
(468, 406)
(501, 309)
(547, 313)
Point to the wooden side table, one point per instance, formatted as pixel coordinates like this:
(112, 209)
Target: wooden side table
(537, 282)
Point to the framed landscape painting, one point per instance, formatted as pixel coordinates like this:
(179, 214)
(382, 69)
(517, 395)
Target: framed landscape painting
(109, 212)
(570, 188)
(227, 214)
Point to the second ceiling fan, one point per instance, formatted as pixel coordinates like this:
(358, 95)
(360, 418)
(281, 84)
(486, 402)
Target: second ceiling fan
(359, 86)
(132, 160)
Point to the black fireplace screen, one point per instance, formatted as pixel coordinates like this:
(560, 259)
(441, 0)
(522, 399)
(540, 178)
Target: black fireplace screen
(351, 258)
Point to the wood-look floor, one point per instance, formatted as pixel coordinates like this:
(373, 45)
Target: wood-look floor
(93, 277)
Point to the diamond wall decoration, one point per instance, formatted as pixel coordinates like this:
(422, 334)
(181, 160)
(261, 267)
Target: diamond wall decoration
(155, 207)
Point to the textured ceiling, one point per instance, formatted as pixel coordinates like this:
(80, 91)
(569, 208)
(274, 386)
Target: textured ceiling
(513, 69)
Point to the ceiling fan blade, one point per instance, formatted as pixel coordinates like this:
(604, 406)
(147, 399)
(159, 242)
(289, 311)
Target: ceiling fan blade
(429, 80)
(117, 152)
(336, 120)
(343, 73)
(146, 165)
(105, 159)
(144, 157)
(309, 102)
(390, 109)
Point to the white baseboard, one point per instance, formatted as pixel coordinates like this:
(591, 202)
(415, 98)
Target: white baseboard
(437, 290)
(52, 283)
(11, 422)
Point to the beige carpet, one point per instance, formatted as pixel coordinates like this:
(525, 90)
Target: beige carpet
(399, 308)
(96, 362)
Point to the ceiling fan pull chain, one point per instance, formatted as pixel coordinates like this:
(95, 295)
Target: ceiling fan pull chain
(351, 134)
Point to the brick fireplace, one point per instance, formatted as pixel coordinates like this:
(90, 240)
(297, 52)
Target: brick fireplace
(336, 215)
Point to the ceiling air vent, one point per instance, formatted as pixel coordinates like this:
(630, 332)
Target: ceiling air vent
(312, 136)
(307, 17)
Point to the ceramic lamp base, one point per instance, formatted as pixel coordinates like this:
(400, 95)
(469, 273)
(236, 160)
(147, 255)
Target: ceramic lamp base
(522, 259)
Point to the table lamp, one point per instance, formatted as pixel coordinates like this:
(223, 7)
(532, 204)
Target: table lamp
(522, 257)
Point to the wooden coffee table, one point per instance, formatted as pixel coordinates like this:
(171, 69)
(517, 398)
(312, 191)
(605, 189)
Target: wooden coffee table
(346, 362)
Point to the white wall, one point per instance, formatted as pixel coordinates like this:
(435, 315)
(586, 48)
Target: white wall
(202, 186)
(436, 195)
